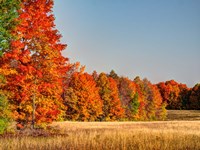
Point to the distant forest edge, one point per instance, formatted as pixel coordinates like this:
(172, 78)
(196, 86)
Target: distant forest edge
(38, 85)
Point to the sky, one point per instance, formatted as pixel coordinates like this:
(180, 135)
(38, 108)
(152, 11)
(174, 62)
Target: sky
(154, 39)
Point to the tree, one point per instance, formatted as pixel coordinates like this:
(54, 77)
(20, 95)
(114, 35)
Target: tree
(116, 109)
(35, 57)
(184, 95)
(113, 75)
(194, 99)
(8, 15)
(152, 106)
(5, 113)
(141, 98)
(82, 98)
(150, 101)
(174, 101)
(108, 92)
(95, 75)
(129, 97)
(134, 104)
(159, 104)
(176, 95)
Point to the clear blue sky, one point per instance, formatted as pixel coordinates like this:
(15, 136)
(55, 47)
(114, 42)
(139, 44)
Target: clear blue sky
(156, 39)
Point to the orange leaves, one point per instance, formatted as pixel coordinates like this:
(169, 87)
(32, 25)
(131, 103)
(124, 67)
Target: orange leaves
(46, 110)
(108, 91)
(82, 98)
(7, 72)
(34, 64)
(25, 56)
(35, 69)
(16, 45)
(20, 79)
(170, 91)
(24, 16)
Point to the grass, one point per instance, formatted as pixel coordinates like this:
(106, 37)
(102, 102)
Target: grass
(183, 115)
(156, 135)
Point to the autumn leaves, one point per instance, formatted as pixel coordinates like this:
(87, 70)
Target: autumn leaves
(33, 65)
(39, 85)
(104, 97)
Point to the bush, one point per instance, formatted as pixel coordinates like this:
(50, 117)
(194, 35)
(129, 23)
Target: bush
(4, 113)
(3, 125)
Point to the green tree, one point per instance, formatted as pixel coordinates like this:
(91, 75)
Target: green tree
(8, 15)
(134, 104)
(5, 113)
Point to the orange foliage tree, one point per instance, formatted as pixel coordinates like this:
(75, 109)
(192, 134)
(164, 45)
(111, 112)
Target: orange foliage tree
(34, 65)
(174, 94)
(141, 98)
(153, 107)
(108, 91)
(82, 99)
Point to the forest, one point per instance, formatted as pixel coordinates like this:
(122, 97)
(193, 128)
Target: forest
(38, 85)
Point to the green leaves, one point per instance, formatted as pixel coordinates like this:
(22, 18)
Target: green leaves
(8, 15)
(134, 104)
(5, 113)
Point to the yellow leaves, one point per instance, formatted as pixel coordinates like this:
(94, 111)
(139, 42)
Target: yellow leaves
(29, 108)
(8, 71)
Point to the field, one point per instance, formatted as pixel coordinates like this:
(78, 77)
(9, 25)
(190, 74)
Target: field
(188, 115)
(156, 135)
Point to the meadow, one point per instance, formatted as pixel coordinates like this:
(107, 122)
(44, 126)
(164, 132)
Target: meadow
(155, 135)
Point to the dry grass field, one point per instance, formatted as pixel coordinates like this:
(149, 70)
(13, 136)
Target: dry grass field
(156, 135)
(183, 115)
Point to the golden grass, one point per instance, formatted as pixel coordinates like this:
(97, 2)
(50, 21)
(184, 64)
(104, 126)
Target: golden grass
(183, 115)
(160, 135)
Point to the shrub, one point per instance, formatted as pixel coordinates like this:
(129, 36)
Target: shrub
(4, 113)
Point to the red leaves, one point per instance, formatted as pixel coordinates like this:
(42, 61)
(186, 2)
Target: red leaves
(35, 57)
(16, 45)
(173, 94)
(39, 73)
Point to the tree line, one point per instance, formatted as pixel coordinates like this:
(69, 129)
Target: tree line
(38, 85)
